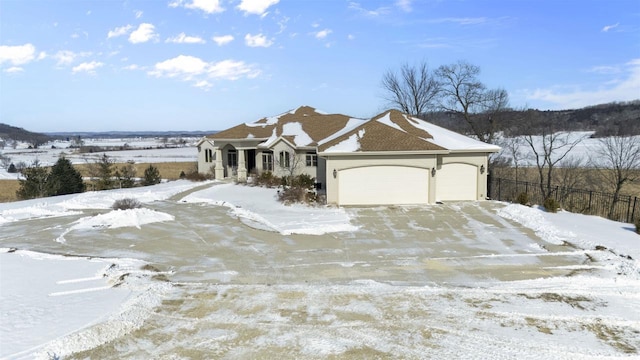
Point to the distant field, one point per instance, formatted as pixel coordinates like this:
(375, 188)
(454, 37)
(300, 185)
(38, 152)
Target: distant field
(8, 190)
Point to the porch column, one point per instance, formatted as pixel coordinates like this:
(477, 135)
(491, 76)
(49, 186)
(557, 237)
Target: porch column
(242, 166)
(218, 171)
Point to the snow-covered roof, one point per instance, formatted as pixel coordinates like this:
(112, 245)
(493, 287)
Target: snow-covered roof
(303, 127)
(395, 131)
(336, 133)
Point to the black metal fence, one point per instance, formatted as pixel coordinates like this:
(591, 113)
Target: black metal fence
(624, 208)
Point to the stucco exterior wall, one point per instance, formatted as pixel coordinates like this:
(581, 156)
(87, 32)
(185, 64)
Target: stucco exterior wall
(204, 166)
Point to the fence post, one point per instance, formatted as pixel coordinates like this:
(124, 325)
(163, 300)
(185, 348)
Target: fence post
(629, 210)
(633, 212)
(590, 196)
(499, 189)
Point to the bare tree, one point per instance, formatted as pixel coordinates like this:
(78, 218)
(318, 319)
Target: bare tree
(414, 90)
(464, 95)
(289, 162)
(618, 160)
(549, 149)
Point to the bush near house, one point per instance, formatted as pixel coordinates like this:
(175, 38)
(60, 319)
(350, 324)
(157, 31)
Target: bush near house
(267, 179)
(298, 189)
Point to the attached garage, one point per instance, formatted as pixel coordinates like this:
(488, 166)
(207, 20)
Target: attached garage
(457, 182)
(383, 185)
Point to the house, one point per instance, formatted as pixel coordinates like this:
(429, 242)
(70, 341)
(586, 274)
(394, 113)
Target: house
(391, 158)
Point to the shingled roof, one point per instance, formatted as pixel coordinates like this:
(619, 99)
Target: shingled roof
(335, 133)
(304, 126)
(395, 131)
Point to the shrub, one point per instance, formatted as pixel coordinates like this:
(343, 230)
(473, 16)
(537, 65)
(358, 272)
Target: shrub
(298, 189)
(551, 205)
(126, 203)
(12, 169)
(523, 198)
(194, 175)
(267, 179)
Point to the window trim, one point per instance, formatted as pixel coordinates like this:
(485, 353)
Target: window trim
(311, 159)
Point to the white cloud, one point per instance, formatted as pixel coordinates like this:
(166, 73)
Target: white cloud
(257, 7)
(322, 34)
(232, 70)
(370, 13)
(460, 21)
(132, 67)
(193, 69)
(17, 55)
(138, 14)
(42, 55)
(184, 39)
(67, 57)
(223, 40)
(625, 88)
(88, 67)
(351, 37)
(404, 5)
(143, 33)
(119, 31)
(203, 84)
(14, 69)
(258, 40)
(207, 6)
(609, 27)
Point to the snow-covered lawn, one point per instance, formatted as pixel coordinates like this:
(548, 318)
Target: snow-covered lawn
(216, 270)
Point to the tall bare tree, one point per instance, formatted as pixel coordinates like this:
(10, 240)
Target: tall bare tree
(618, 160)
(463, 94)
(549, 148)
(413, 90)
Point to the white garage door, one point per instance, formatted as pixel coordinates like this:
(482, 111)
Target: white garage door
(383, 185)
(457, 182)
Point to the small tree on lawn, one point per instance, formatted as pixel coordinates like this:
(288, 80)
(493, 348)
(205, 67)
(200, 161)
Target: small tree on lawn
(151, 176)
(12, 169)
(34, 183)
(64, 179)
(102, 170)
(126, 175)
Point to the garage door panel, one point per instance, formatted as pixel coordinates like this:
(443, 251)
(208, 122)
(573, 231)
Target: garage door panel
(383, 185)
(457, 182)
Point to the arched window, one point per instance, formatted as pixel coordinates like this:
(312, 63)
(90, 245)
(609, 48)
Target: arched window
(285, 161)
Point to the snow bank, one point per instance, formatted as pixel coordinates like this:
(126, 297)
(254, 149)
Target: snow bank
(534, 219)
(118, 219)
(45, 299)
(69, 204)
(259, 207)
(585, 231)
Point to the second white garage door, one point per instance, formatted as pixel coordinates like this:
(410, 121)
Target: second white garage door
(457, 182)
(383, 185)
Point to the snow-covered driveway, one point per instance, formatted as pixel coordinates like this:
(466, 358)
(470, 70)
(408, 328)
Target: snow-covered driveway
(460, 280)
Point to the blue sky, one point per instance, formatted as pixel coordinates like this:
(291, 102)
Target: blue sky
(72, 65)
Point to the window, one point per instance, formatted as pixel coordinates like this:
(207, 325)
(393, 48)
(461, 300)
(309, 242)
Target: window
(312, 159)
(232, 158)
(208, 155)
(285, 161)
(267, 161)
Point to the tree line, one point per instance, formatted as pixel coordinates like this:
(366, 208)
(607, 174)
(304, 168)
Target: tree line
(62, 178)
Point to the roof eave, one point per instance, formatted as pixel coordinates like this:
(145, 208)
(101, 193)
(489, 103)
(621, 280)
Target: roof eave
(387, 153)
